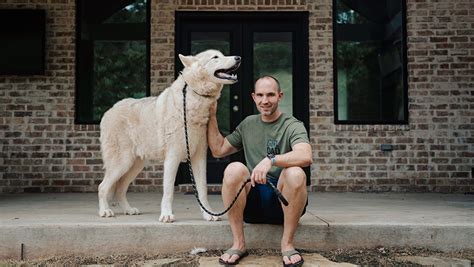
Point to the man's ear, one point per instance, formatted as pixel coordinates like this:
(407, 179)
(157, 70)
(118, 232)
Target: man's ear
(187, 60)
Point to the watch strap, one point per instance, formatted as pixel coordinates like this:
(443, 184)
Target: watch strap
(272, 158)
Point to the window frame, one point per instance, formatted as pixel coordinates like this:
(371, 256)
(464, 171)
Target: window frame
(83, 98)
(405, 119)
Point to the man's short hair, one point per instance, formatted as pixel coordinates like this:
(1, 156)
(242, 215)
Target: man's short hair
(269, 77)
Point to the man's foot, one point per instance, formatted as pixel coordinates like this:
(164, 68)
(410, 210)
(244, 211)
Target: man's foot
(232, 256)
(292, 258)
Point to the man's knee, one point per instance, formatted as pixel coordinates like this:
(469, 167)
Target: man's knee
(293, 177)
(235, 173)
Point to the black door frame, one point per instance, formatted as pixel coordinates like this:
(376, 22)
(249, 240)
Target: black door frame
(250, 22)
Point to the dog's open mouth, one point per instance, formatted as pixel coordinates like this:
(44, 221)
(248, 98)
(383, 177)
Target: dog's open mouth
(227, 74)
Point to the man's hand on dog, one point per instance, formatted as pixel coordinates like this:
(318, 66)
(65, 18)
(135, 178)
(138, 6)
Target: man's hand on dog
(259, 173)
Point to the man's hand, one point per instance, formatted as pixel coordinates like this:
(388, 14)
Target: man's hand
(259, 173)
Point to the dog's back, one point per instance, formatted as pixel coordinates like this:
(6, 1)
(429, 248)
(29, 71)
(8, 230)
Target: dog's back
(125, 129)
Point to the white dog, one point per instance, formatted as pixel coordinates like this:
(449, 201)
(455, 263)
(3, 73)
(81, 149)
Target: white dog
(134, 130)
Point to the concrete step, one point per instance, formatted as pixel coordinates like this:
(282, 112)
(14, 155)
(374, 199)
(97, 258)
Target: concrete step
(67, 224)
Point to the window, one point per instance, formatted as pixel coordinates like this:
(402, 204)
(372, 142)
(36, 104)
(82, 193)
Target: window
(370, 62)
(112, 55)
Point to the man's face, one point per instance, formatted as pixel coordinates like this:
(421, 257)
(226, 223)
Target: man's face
(266, 96)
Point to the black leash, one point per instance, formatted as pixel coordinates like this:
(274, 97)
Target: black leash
(191, 174)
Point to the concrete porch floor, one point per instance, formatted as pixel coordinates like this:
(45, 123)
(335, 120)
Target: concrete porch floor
(68, 224)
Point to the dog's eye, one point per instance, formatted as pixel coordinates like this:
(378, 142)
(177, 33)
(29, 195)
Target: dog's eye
(214, 57)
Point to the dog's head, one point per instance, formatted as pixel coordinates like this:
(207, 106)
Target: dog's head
(210, 66)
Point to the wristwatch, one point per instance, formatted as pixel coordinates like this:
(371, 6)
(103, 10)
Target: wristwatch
(272, 158)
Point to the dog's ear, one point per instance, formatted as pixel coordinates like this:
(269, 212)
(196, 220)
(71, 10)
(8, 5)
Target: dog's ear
(187, 60)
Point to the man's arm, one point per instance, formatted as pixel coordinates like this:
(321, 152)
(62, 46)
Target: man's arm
(300, 156)
(219, 146)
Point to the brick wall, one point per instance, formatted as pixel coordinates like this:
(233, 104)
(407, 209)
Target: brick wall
(42, 150)
(435, 151)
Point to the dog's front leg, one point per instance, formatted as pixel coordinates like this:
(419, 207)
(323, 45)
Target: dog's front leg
(170, 168)
(199, 161)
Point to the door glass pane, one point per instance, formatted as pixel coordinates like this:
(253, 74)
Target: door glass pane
(201, 41)
(273, 56)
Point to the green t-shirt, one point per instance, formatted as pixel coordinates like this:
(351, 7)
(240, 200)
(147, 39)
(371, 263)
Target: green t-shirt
(259, 138)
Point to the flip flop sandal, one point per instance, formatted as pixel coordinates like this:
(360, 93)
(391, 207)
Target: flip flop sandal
(232, 252)
(290, 253)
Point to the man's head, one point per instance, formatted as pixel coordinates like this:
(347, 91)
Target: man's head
(267, 94)
(269, 78)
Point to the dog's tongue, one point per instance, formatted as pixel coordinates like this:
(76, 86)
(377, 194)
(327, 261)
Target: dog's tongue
(227, 76)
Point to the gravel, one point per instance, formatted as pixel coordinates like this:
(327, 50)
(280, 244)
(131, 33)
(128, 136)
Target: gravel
(379, 256)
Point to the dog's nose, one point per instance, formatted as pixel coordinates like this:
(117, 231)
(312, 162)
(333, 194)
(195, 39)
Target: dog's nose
(237, 58)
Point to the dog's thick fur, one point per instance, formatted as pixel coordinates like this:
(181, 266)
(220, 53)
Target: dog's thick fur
(135, 130)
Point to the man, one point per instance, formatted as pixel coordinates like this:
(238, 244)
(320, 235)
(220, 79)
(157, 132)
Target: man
(276, 147)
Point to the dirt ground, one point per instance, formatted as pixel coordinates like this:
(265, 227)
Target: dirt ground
(366, 257)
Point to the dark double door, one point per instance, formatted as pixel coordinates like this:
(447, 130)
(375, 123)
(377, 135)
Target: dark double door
(270, 43)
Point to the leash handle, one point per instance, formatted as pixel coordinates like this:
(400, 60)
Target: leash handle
(278, 193)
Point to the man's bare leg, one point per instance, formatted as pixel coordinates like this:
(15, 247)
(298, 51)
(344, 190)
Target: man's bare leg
(292, 184)
(234, 176)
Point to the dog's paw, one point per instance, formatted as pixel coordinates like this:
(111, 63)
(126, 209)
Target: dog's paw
(210, 218)
(132, 211)
(106, 213)
(167, 218)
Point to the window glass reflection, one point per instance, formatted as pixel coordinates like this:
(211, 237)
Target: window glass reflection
(273, 56)
(370, 61)
(112, 55)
